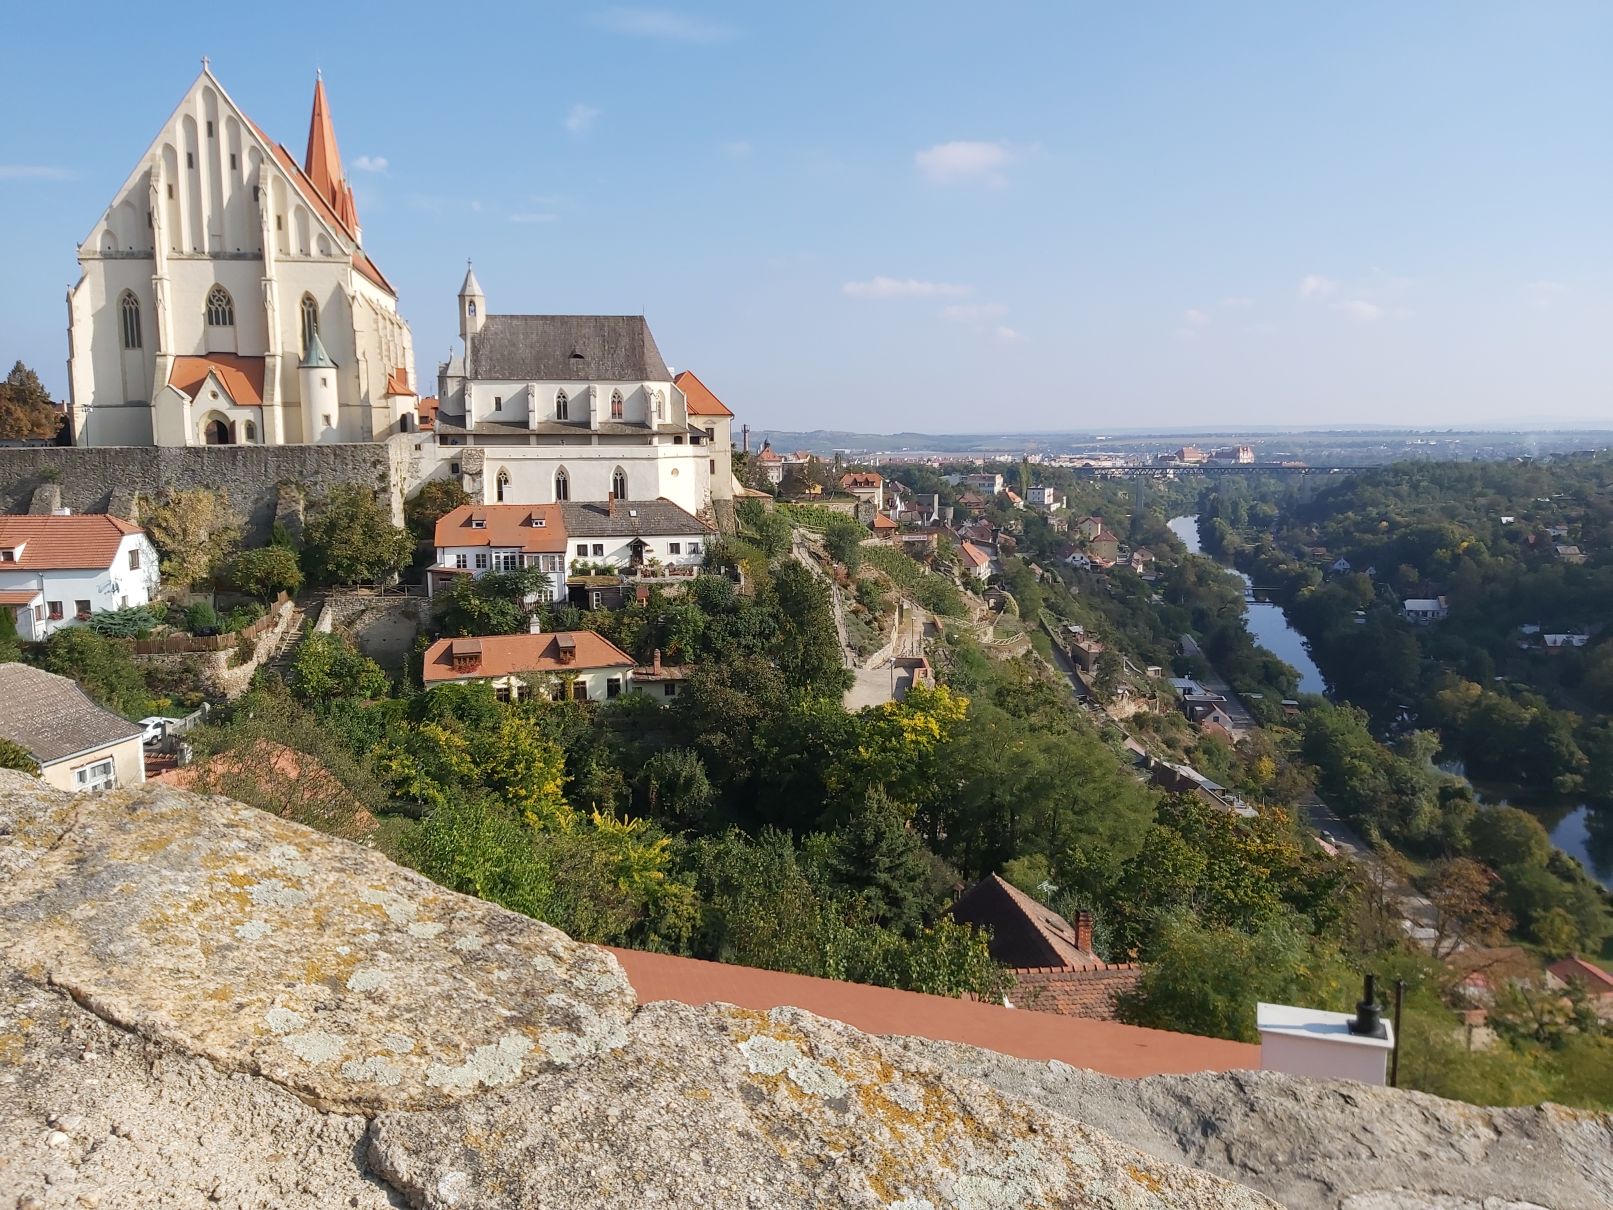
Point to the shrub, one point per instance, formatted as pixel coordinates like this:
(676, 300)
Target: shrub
(201, 617)
(135, 622)
(350, 539)
(265, 571)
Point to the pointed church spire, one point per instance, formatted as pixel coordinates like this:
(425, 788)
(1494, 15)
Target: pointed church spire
(323, 163)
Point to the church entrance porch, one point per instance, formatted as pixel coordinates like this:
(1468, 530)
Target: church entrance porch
(217, 432)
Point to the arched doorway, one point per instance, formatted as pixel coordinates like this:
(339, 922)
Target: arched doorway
(216, 432)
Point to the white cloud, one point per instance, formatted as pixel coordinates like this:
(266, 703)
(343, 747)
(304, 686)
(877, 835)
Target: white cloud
(1196, 317)
(370, 163)
(663, 24)
(966, 163)
(1009, 336)
(34, 172)
(580, 118)
(531, 217)
(891, 287)
(973, 313)
(1359, 310)
(739, 148)
(1314, 285)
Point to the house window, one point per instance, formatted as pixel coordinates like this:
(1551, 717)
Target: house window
(660, 406)
(220, 308)
(674, 548)
(327, 419)
(599, 549)
(579, 691)
(251, 431)
(596, 600)
(502, 483)
(129, 314)
(55, 610)
(562, 406)
(233, 164)
(134, 560)
(694, 548)
(613, 687)
(190, 160)
(618, 484)
(102, 775)
(462, 561)
(209, 128)
(616, 409)
(498, 403)
(582, 550)
(481, 560)
(713, 466)
(39, 613)
(562, 485)
(678, 440)
(81, 608)
(502, 693)
(669, 688)
(310, 322)
(507, 560)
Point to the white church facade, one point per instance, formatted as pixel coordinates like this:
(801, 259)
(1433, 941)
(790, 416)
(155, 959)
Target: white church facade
(225, 297)
(549, 408)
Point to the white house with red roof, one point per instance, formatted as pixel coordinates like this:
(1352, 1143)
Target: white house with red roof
(57, 570)
(576, 664)
(475, 539)
(225, 296)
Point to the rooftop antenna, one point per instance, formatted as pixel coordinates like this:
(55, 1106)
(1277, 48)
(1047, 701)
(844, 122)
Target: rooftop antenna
(1368, 1020)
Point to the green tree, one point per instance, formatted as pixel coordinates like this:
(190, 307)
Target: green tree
(350, 539)
(673, 786)
(435, 499)
(103, 668)
(807, 648)
(265, 571)
(15, 756)
(328, 666)
(194, 531)
(877, 859)
(843, 539)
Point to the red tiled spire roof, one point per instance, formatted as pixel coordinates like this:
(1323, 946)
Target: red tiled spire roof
(323, 163)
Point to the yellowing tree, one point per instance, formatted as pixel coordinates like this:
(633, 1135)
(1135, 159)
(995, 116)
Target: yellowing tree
(194, 530)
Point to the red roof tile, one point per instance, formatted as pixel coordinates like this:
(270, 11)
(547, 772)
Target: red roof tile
(509, 526)
(242, 377)
(81, 541)
(1081, 991)
(701, 401)
(506, 654)
(1596, 980)
(1104, 1046)
(19, 596)
(397, 383)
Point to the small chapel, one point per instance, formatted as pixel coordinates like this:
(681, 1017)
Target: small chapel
(226, 298)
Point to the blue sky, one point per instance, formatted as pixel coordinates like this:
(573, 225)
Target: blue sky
(931, 216)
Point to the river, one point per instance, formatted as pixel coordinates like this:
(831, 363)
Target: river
(1568, 824)
(1266, 621)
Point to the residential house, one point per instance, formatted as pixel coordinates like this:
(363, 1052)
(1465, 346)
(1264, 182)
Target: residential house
(921, 543)
(975, 561)
(883, 526)
(770, 465)
(77, 744)
(1054, 966)
(1104, 547)
(1085, 652)
(635, 535)
(1087, 528)
(988, 482)
(1339, 565)
(1597, 983)
(1192, 455)
(1422, 611)
(578, 664)
(711, 414)
(1570, 554)
(867, 486)
(1561, 642)
(972, 503)
(1048, 499)
(59, 569)
(475, 539)
(659, 681)
(1142, 560)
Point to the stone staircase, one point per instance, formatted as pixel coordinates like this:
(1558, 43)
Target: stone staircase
(296, 626)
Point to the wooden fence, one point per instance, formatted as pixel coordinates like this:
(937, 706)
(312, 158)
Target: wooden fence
(189, 644)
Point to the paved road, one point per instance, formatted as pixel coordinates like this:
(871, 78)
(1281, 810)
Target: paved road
(1417, 912)
(1242, 721)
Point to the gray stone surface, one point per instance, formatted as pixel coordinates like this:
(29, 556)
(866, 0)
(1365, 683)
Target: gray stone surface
(275, 950)
(204, 1005)
(720, 1106)
(1325, 1145)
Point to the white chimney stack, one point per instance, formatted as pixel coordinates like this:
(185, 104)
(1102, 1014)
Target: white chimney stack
(1326, 1045)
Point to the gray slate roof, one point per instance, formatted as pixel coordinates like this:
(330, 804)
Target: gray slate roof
(50, 716)
(634, 518)
(566, 348)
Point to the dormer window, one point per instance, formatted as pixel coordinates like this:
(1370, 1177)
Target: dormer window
(9, 556)
(466, 654)
(562, 406)
(617, 409)
(478, 520)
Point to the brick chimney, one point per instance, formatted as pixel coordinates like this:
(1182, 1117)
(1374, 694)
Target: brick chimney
(610, 503)
(655, 664)
(1083, 932)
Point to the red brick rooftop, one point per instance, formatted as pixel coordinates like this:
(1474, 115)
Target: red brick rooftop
(1103, 1046)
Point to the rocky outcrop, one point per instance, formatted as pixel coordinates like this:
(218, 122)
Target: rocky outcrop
(205, 1005)
(1332, 1145)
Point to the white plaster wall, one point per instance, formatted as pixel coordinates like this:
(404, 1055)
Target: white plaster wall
(594, 678)
(108, 588)
(618, 551)
(446, 556)
(128, 758)
(678, 472)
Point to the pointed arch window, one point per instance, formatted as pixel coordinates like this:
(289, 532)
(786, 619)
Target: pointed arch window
(618, 484)
(660, 407)
(220, 308)
(616, 409)
(129, 319)
(562, 485)
(562, 406)
(502, 484)
(310, 322)
(251, 431)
